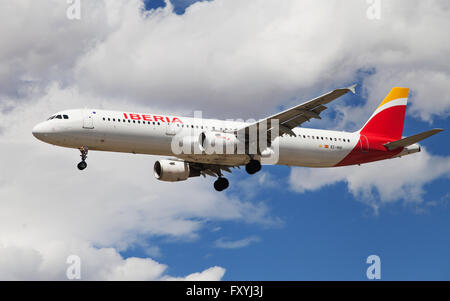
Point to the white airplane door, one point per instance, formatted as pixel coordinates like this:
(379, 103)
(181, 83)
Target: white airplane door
(88, 119)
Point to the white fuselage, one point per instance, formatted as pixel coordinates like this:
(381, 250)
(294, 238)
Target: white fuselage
(151, 134)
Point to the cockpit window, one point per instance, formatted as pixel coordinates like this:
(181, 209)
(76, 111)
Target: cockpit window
(58, 117)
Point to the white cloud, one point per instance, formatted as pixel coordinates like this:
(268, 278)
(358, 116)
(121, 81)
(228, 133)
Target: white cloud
(230, 58)
(234, 52)
(381, 182)
(49, 260)
(212, 274)
(267, 52)
(235, 244)
(40, 44)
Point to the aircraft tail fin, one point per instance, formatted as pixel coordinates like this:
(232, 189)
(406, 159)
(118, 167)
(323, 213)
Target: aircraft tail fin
(388, 119)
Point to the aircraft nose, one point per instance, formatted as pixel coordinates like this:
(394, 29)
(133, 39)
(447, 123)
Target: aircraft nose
(39, 131)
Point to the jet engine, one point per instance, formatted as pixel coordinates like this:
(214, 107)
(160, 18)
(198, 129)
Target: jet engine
(173, 171)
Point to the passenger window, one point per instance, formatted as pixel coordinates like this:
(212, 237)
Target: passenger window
(109, 119)
(104, 119)
(134, 121)
(129, 121)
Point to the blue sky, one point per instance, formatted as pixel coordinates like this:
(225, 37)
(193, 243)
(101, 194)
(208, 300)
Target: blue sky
(328, 234)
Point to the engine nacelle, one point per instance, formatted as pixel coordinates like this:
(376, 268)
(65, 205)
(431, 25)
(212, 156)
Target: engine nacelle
(218, 143)
(173, 171)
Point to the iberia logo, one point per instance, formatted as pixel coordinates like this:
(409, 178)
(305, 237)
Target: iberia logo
(155, 118)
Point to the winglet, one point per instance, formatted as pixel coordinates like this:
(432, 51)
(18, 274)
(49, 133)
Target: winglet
(353, 88)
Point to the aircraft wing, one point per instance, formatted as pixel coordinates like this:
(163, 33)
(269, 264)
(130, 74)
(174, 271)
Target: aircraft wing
(411, 139)
(297, 115)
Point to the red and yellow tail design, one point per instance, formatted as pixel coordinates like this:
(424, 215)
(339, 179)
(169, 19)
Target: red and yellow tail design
(387, 120)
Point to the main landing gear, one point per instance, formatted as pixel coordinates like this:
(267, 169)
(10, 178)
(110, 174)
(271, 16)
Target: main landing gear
(253, 166)
(221, 184)
(84, 152)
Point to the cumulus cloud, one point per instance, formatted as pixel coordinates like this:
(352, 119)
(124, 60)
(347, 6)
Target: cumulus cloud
(41, 45)
(49, 209)
(381, 182)
(269, 53)
(49, 262)
(230, 52)
(211, 274)
(228, 57)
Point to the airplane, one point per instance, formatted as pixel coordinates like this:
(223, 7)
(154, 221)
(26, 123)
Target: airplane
(143, 133)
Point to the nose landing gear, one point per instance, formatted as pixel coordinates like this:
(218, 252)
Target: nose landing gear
(84, 152)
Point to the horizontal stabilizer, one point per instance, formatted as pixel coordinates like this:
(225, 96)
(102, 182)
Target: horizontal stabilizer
(411, 139)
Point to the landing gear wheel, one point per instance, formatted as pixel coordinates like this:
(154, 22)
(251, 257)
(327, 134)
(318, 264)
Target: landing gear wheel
(84, 152)
(221, 184)
(253, 166)
(82, 165)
